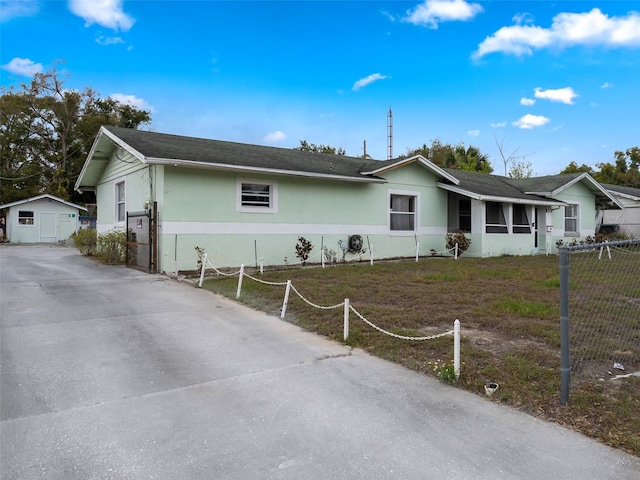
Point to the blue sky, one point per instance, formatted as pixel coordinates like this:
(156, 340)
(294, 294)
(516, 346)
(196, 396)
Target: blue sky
(553, 81)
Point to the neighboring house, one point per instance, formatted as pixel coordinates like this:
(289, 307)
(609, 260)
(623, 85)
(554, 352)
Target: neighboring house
(41, 219)
(243, 203)
(626, 221)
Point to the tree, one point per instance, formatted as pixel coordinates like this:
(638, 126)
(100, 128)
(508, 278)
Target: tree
(46, 132)
(312, 147)
(458, 157)
(624, 171)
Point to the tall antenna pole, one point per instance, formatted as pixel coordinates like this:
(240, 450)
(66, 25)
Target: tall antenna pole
(390, 135)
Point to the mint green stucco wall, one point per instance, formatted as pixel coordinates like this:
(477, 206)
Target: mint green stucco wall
(199, 208)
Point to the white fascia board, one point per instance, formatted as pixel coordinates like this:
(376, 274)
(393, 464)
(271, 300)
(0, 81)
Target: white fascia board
(417, 158)
(40, 197)
(595, 186)
(244, 169)
(491, 198)
(120, 143)
(624, 195)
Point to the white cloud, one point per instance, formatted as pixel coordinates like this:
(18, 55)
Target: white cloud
(522, 18)
(473, 133)
(104, 41)
(276, 136)
(10, 9)
(107, 13)
(567, 29)
(23, 66)
(562, 95)
(529, 121)
(606, 85)
(363, 82)
(132, 100)
(527, 102)
(499, 125)
(432, 12)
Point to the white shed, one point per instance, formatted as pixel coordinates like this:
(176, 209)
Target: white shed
(41, 219)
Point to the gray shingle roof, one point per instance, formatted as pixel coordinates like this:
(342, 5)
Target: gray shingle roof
(632, 192)
(175, 147)
(490, 185)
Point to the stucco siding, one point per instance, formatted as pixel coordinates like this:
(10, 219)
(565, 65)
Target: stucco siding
(52, 222)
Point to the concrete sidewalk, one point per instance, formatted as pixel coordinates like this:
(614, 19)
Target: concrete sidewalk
(109, 373)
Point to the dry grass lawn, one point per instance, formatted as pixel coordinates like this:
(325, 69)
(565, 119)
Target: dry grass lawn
(509, 311)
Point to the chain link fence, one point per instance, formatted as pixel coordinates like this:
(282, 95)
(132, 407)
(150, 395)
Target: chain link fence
(600, 312)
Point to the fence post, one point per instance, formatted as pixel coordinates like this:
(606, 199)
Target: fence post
(261, 266)
(286, 300)
(456, 347)
(565, 362)
(456, 252)
(346, 319)
(417, 251)
(204, 265)
(371, 255)
(240, 281)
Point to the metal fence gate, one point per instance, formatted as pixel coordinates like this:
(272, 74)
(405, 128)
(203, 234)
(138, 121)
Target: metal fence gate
(141, 246)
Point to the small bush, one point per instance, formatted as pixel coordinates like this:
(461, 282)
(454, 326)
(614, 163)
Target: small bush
(303, 249)
(461, 239)
(85, 240)
(111, 247)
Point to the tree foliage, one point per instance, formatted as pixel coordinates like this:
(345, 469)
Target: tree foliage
(46, 132)
(319, 148)
(458, 156)
(624, 171)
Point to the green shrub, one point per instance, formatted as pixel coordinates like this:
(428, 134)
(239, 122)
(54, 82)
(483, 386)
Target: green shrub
(112, 247)
(85, 240)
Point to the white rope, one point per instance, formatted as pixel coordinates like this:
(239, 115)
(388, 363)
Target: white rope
(264, 281)
(220, 272)
(313, 304)
(402, 337)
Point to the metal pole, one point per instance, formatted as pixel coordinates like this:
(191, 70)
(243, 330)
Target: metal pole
(322, 250)
(371, 254)
(565, 362)
(417, 251)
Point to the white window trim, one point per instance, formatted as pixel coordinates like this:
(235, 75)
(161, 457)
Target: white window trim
(528, 212)
(571, 233)
(273, 196)
(416, 218)
(27, 225)
(507, 219)
(116, 202)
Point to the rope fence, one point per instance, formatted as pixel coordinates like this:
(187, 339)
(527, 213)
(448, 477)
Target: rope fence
(345, 305)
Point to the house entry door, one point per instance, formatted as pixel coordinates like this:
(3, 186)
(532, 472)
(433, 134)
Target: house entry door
(141, 245)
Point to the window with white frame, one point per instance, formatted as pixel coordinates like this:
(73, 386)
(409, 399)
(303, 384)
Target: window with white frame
(402, 216)
(120, 203)
(25, 217)
(571, 219)
(520, 219)
(257, 196)
(496, 221)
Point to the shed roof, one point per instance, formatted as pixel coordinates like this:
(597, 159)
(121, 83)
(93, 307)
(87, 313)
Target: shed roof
(40, 197)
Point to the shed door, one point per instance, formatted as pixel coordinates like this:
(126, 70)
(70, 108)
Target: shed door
(48, 228)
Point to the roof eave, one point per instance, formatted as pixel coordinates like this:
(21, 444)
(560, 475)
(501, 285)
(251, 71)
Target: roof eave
(493, 198)
(270, 171)
(416, 158)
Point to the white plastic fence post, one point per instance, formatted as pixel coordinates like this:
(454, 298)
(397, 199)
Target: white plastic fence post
(456, 347)
(261, 266)
(240, 281)
(371, 254)
(417, 251)
(286, 300)
(204, 265)
(346, 319)
(456, 252)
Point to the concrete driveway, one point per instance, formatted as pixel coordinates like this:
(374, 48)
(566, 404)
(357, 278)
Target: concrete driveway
(109, 373)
